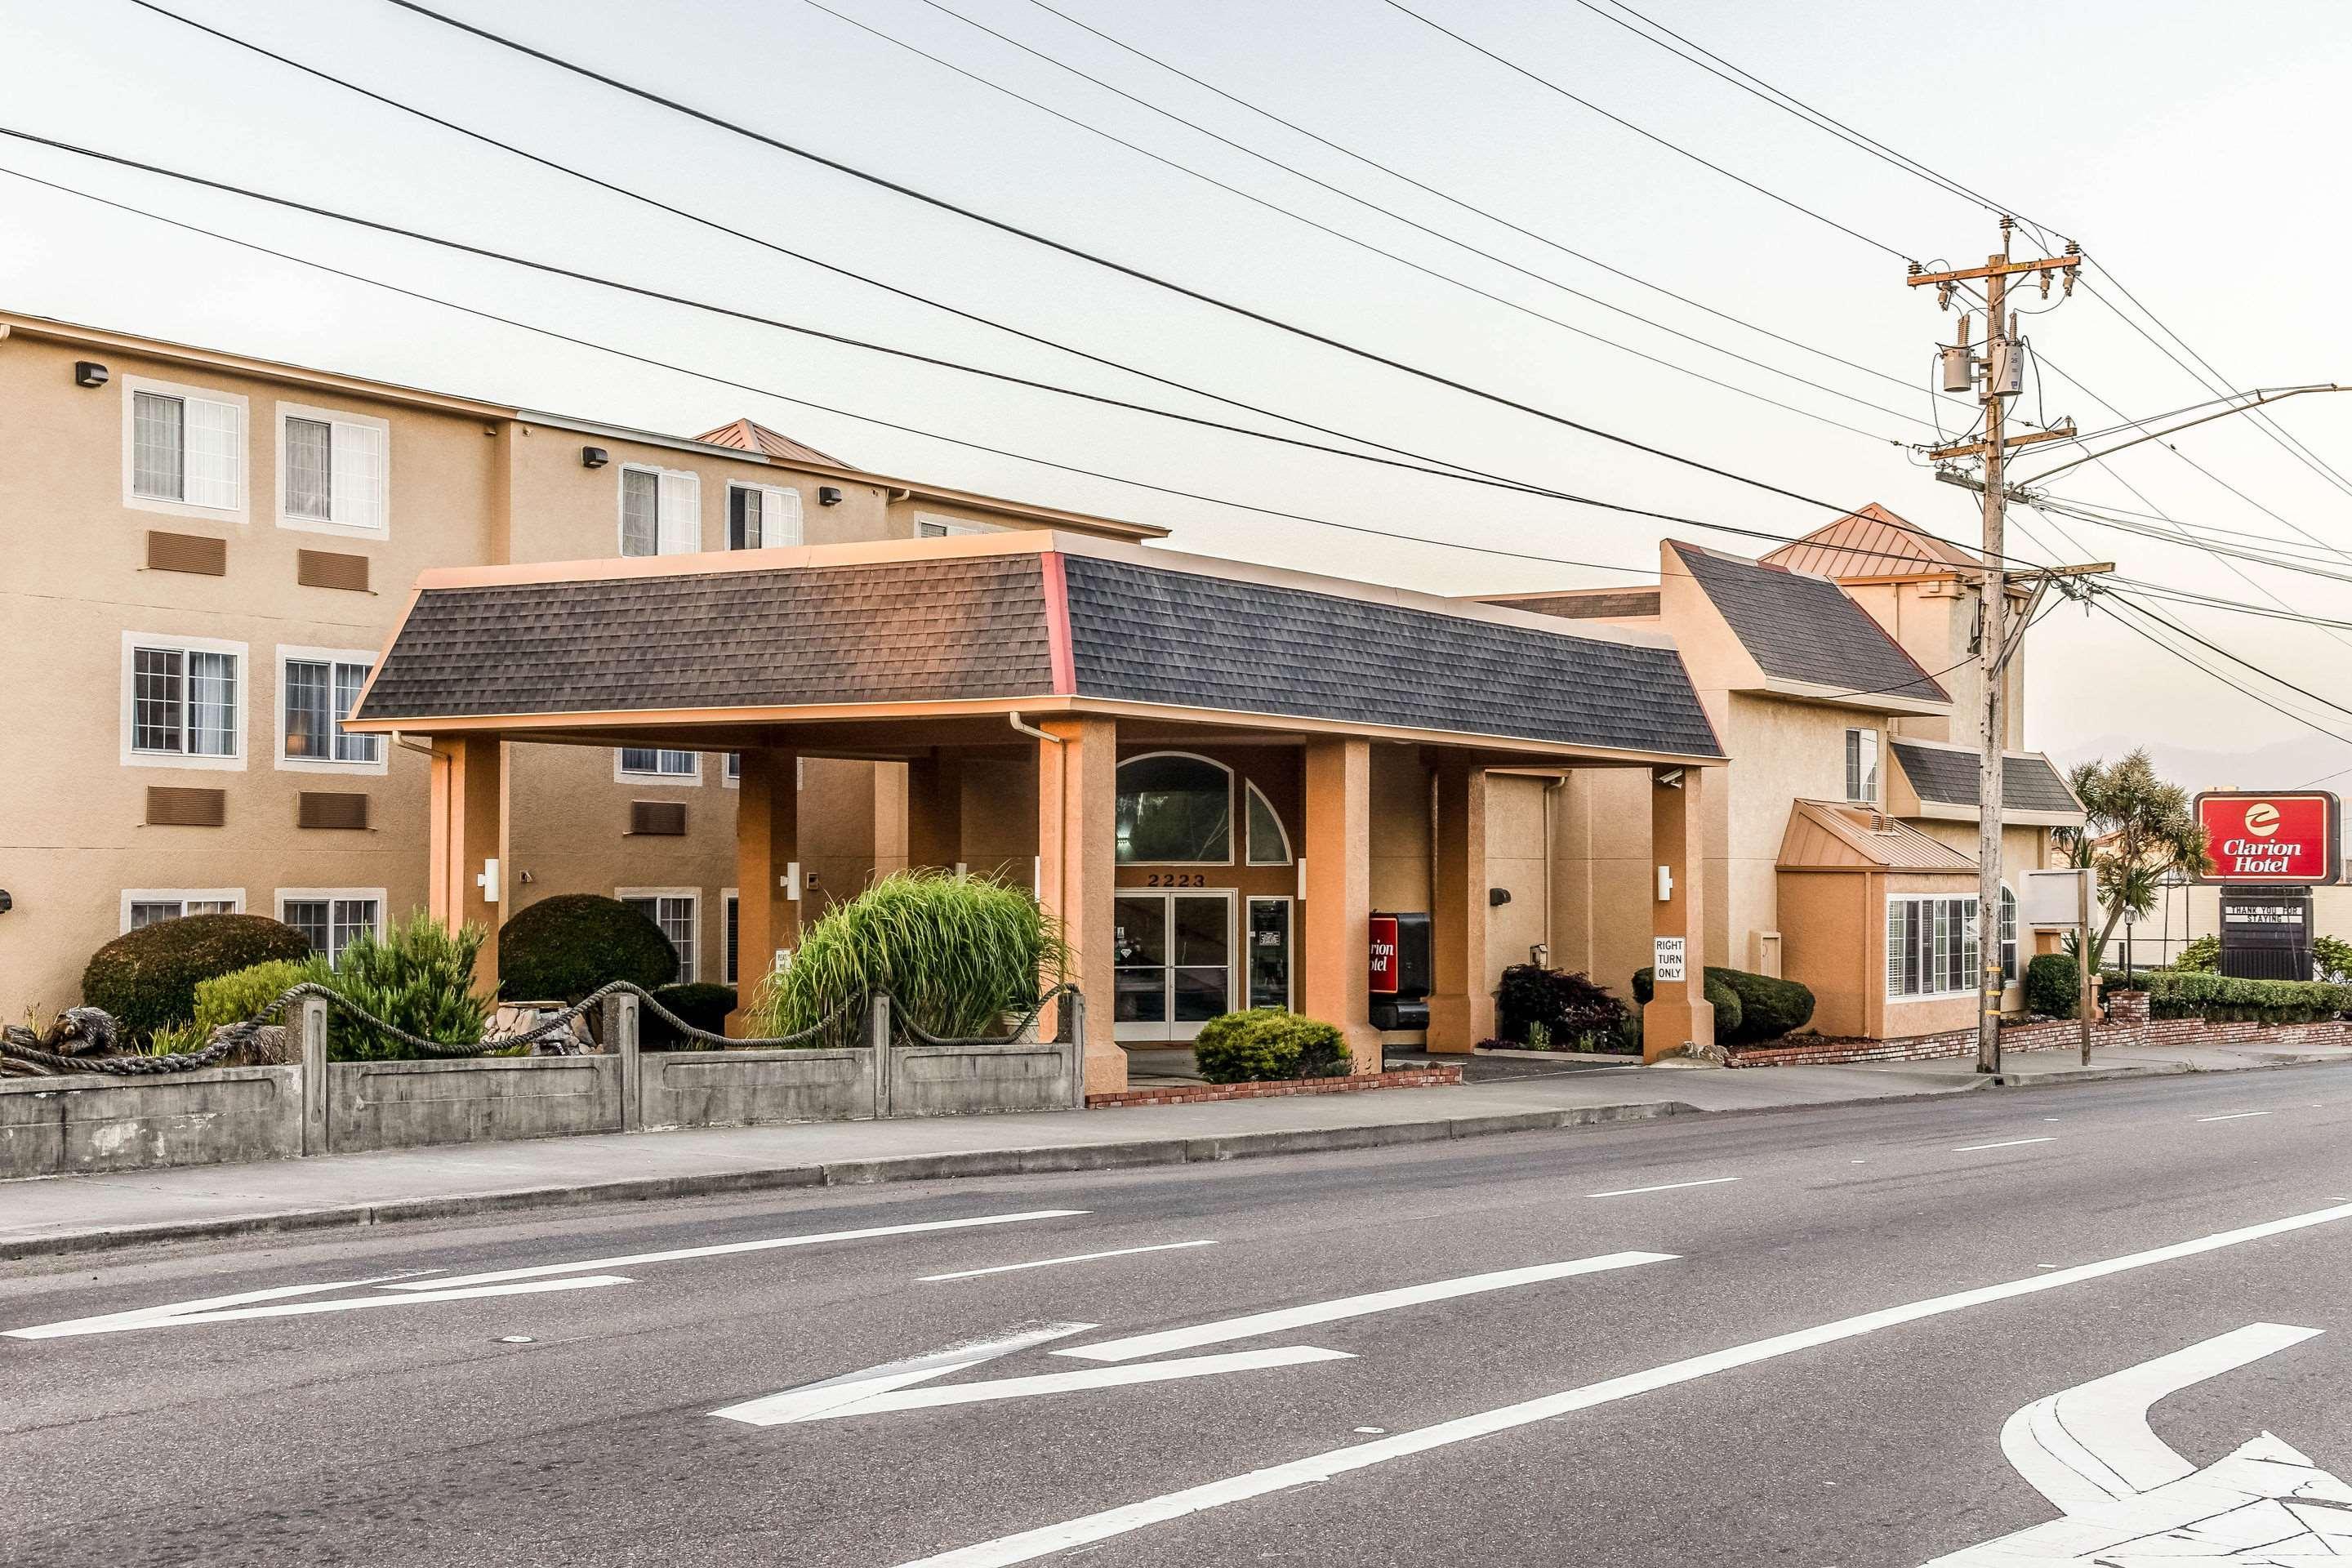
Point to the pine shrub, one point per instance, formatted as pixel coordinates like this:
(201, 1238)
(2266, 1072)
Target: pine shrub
(419, 977)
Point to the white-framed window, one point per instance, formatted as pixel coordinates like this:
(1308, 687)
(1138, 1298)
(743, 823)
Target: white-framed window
(148, 906)
(731, 774)
(930, 526)
(1862, 766)
(183, 701)
(676, 910)
(332, 917)
(182, 449)
(2007, 936)
(661, 510)
(650, 764)
(335, 472)
(1931, 946)
(317, 689)
(1268, 840)
(1174, 809)
(762, 517)
(730, 905)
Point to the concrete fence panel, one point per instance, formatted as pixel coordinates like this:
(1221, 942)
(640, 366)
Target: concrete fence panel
(968, 1080)
(745, 1088)
(87, 1123)
(409, 1104)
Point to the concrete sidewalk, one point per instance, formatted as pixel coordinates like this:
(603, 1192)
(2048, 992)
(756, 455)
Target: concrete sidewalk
(77, 1214)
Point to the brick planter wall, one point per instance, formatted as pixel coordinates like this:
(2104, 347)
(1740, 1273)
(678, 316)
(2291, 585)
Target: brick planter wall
(1195, 1093)
(2127, 1024)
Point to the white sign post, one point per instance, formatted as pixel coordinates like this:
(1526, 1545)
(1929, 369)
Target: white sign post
(1666, 958)
(2064, 898)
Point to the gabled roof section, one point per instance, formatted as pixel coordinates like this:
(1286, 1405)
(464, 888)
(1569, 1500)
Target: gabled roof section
(1871, 543)
(751, 436)
(1804, 631)
(1827, 836)
(1034, 621)
(1944, 777)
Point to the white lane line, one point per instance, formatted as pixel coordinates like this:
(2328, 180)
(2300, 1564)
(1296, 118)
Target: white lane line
(124, 1322)
(810, 1400)
(1073, 1258)
(1286, 1318)
(1662, 1187)
(637, 1259)
(2235, 1116)
(887, 1396)
(2011, 1144)
(1031, 1544)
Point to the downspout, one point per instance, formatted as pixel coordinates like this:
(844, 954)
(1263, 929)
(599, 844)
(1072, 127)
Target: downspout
(1062, 861)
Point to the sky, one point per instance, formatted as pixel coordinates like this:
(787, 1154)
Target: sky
(2189, 147)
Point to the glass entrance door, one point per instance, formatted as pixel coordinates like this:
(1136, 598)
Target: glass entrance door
(1175, 963)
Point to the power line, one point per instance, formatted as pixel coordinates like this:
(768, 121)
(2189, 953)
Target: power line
(2099, 601)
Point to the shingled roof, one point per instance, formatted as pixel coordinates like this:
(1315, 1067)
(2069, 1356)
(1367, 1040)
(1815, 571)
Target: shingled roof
(958, 621)
(1803, 628)
(1946, 775)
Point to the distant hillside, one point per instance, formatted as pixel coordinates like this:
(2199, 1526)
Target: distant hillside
(2284, 764)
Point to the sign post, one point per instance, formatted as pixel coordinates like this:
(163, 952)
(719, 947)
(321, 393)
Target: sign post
(2064, 898)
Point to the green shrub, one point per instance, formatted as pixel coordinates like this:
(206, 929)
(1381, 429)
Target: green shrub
(700, 1003)
(2331, 959)
(2054, 985)
(177, 1040)
(1267, 1043)
(420, 978)
(1572, 1012)
(1769, 1007)
(1729, 1014)
(2204, 954)
(957, 953)
(562, 948)
(148, 978)
(233, 998)
(2224, 999)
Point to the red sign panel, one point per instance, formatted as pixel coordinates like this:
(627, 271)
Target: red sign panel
(2270, 838)
(1384, 955)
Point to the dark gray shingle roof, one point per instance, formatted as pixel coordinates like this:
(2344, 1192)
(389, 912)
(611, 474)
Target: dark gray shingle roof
(1145, 633)
(1618, 603)
(1805, 628)
(1945, 777)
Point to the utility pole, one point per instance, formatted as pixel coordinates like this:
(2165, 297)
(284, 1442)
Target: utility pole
(1997, 377)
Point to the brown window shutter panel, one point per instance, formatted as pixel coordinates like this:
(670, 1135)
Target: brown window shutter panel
(331, 569)
(186, 552)
(330, 808)
(659, 818)
(168, 807)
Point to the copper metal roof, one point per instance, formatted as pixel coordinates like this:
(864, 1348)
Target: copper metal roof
(1830, 836)
(1871, 543)
(751, 436)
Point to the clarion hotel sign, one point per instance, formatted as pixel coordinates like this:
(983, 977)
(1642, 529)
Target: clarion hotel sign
(2287, 840)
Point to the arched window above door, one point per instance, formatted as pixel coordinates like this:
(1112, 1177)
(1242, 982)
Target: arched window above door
(1175, 809)
(1269, 844)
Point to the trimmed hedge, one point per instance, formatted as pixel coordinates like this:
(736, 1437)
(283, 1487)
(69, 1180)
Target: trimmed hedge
(148, 978)
(1573, 1011)
(700, 1003)
(2194, 995)
(1268, 1044)
(1730, 1013)
(562, 948)
(2054, 985)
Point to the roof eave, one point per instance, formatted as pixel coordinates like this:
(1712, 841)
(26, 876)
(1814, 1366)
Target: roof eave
(1831, 696)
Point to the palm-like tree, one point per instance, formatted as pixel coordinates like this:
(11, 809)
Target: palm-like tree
(2137, 830)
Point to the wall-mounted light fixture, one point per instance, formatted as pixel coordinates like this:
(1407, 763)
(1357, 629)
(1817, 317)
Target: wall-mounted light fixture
(6, 903)
(1497, 897)
(594, 457)
(88, 372)
(828, 495)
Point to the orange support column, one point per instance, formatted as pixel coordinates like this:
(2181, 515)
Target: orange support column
(1077, 805)
(1678, 1013)
(767, 844)
(468, 851)
(1338, 913)
(1461, 1008)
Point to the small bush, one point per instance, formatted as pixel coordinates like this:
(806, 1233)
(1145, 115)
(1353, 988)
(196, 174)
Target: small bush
(2331, 959)
(148, 978)
(419, 978)
(562, 948)
(1569, 1009)
(1769, 1007)
(2054, 985)
(233, 998)
(1268, 1044)
(2204, 954)
(177, 1040)
(699, 1003)
(1728, 1011)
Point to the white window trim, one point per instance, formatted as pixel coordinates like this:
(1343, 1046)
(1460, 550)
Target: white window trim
(294, 895)
(1877, 763)
(948, 527)
(183, 896)
(726, 779)
(326, 525)
(777, 494)
(1895, 998)
(694, 897)
(134, 758)
(242, 510)
(725, 955)
(678, 781)
(287, 653)
(1290, 961)
(621, 508)
(1251, 792)
(1234, 828)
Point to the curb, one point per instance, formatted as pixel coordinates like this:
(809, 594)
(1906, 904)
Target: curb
(1043, 1160)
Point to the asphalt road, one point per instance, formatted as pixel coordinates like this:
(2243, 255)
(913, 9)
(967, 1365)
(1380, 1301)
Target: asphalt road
(1702, 1381)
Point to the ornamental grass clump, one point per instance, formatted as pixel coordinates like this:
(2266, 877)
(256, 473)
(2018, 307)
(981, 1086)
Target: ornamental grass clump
(958, 955)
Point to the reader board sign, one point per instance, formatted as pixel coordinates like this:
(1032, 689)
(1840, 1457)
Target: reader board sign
(1666, 958)
(2274, 840)
(1384, 955)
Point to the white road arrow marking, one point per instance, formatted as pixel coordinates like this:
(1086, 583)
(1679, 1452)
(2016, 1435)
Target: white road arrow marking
(891, 1392)
(181, 1314)
(2129, 1499)
(723, 1249)
(811, 1399)
(1278, 1322)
